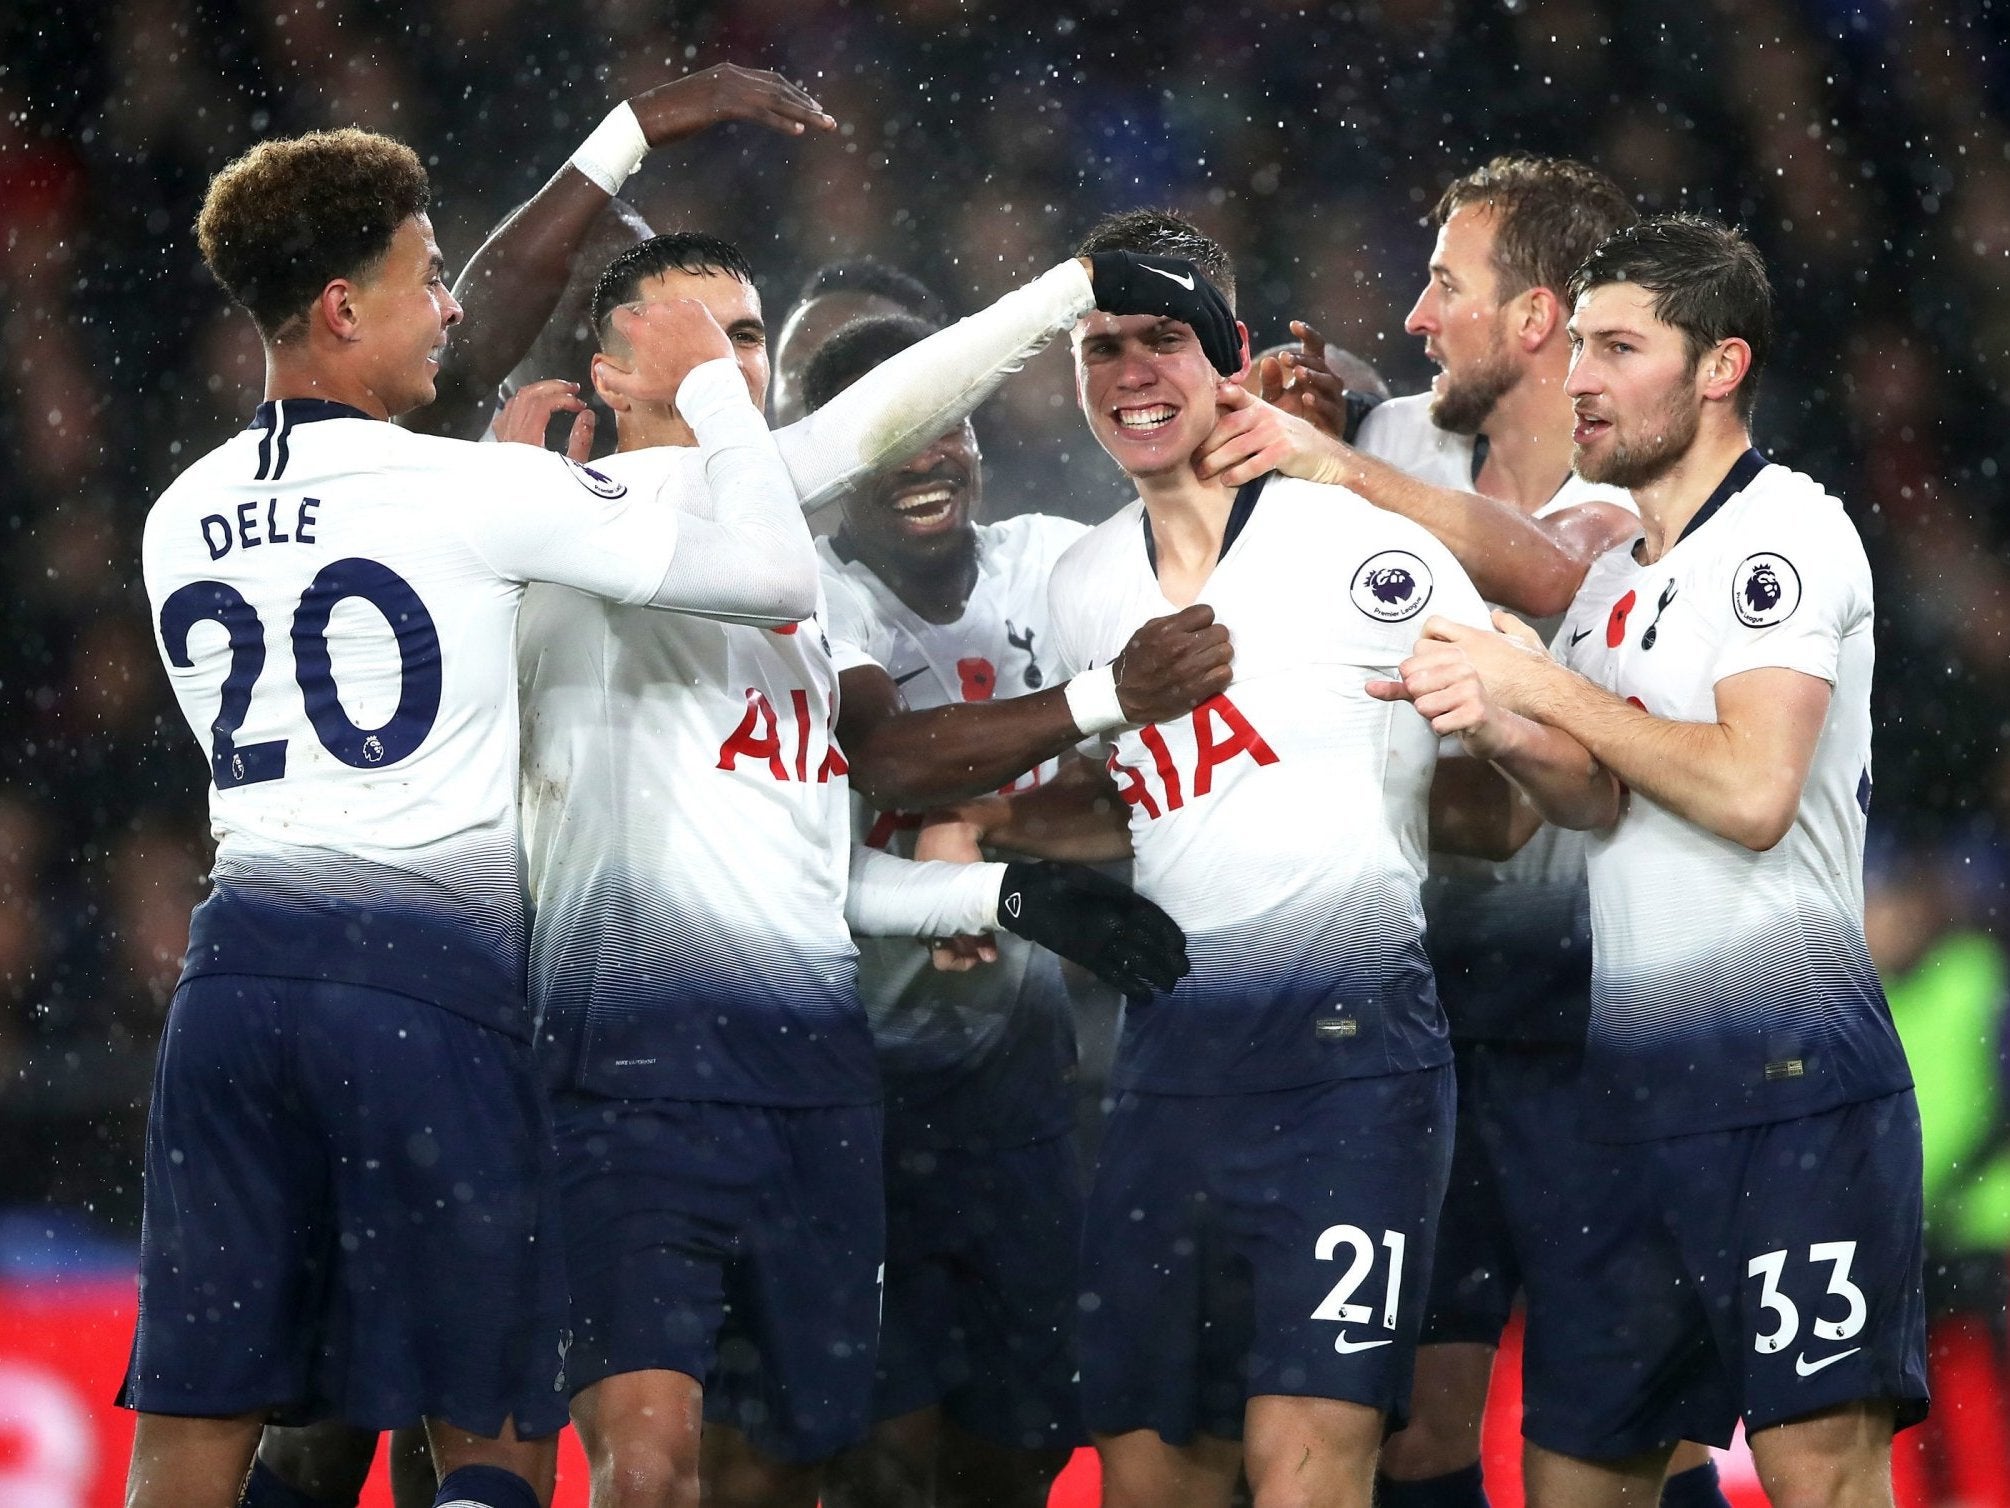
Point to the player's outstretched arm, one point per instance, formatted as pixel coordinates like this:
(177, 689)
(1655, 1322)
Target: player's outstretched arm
(891, 412)
(919, 759)
(1447, 679)
(510, 286)
(1106, 927)
(1740, 777)
(1532, 565)
(1078, 816)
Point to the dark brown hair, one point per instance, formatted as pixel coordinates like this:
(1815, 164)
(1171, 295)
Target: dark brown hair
(1708, 281)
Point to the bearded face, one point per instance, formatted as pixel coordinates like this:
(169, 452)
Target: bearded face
(1464, 398)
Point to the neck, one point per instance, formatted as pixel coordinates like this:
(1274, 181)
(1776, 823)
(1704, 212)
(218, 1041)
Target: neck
(292, 372)
(1670, 501)
(642, 425)
(1189, 518)
(936, 589)
(1528, 440)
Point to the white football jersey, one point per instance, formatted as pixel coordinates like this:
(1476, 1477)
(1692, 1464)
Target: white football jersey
(1282, 823)
(688, 836)
(1730, 987)
(1510, 940)
(983, 1057)
(335, 600)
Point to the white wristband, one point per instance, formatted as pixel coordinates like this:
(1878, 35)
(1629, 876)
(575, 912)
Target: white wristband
(1092, 701)
(614, 150)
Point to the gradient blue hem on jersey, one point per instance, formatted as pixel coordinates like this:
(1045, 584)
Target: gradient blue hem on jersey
(1299, 1003)
(1020, 1090)
(639, 998)
(434, 956)
(1512, 959)
(1784, 1026)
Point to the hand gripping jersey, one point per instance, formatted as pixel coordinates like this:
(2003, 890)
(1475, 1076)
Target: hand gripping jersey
(1282, 823)
(983, 1058)
(1733, 988)
(1511, 941)
(335, 601)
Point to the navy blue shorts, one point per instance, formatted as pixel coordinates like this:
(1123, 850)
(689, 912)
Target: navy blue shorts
(1475, 1273)
(1767, 1272)
(981, 1263)
(1243, 1245)
(350, 1212)
(737, 1244)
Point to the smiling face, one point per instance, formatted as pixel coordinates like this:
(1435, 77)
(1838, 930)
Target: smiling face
(403, 310)
(1461, 319)
(1634, 388)
(917, 515)
(1147, 389)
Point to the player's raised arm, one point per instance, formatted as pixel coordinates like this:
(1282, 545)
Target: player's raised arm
(512, 284)
(751, 561)
(907, 401)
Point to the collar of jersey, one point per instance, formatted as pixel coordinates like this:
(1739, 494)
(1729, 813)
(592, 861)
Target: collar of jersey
(1736, 480)
(1238, 515)
(294, 411)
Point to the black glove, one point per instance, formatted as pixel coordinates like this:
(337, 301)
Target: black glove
(1107, 928)
(1128, 282)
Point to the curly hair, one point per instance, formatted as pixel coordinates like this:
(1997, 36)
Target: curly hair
(292, 214)
(1162, 233)
(1550, 213)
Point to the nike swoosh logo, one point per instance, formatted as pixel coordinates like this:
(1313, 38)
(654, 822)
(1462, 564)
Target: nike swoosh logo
(1348, 1347)
(1804, 1368)
(1582, 633)
(1185, 280)
(902, 680)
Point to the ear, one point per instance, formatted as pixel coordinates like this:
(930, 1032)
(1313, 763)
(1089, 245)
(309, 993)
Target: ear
(602, 363)
(1541, 317)
(335, 310)
(1242, 349)
(1722, 369)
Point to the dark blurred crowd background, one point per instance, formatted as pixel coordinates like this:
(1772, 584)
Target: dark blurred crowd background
(1864, 146)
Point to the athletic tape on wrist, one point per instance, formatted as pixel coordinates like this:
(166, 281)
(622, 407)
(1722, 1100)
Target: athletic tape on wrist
(614, 150)
(1092, 701)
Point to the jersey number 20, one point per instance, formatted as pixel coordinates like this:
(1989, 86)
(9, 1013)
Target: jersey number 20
(233, 764)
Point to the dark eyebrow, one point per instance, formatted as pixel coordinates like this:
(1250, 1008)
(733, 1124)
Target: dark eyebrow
(749, 323)
(436, 265)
